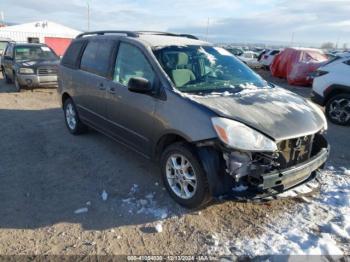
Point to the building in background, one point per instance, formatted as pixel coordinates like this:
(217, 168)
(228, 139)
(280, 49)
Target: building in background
(56, 36)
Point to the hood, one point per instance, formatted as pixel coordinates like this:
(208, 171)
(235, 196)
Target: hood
(38, 63)
(276, 112)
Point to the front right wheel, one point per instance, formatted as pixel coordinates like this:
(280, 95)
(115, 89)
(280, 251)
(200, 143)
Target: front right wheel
(338, 109)
(184, 176)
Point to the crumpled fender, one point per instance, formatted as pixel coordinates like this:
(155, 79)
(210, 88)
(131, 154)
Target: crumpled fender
(219, 182)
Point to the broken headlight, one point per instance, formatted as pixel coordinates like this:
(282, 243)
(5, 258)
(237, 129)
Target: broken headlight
(241, 137)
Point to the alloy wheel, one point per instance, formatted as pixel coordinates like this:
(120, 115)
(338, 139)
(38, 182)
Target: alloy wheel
(339, 110)
(71, 116)
(181, 176)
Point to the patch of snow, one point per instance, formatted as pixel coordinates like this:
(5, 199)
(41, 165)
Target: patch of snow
(146, 206)
(159, 227)
(240, 188)
(134, 189)
(156, 184)
(347, 172)
(88, 203)
(320, 225)
(81, 210)
(104, 195)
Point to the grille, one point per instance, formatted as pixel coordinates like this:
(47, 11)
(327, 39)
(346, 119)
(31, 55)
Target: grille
(294, 151)
(45, 71)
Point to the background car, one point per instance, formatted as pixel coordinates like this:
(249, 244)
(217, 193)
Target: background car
(267, 58)
(250, 58)
(31, 65)
(3, 45)
(237, 51)
(331, 88)
(296, 64)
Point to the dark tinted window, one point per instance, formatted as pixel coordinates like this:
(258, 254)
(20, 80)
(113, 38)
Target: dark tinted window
(71, 57)
(9, 51)
(97, 57)
(131, 63)
(275, 52)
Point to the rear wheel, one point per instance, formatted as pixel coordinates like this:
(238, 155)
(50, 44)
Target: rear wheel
(73, 123)
(184, 176)
(338, 109)
(7, 79)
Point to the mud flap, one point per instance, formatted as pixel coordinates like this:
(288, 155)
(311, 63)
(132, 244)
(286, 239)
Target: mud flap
(219, 182)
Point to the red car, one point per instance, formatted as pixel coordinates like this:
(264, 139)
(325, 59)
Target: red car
(296, 64)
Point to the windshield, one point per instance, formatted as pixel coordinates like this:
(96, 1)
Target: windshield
(23, 53)
(207, 69)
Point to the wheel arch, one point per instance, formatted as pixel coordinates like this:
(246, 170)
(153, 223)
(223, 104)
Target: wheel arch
(167, 139)
(334, 90)
(64, 97)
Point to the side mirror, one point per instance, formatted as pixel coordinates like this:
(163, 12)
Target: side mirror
(139, 85)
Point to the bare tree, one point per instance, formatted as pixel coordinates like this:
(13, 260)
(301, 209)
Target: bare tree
(327, 45)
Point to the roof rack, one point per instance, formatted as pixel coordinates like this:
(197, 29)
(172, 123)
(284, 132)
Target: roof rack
(127, 33)
(135, 33)
(166, 34)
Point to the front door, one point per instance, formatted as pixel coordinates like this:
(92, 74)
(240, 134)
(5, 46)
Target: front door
(131, 114)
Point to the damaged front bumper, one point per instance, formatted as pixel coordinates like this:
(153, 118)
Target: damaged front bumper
(254, 181)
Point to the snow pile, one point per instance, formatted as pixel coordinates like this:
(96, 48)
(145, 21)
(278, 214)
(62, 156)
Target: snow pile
(318, 226)
(143, 205)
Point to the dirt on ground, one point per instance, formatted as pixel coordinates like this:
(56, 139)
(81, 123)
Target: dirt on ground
(65, 194)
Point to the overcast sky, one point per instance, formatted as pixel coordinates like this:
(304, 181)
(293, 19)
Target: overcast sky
(310, 21)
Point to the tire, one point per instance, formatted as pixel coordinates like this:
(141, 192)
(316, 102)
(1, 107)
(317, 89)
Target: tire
(338, 109)
(73, 123)
(7, 79)
(197, 194)
(18, 86)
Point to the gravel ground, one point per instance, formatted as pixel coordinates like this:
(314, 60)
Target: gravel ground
(62, 194)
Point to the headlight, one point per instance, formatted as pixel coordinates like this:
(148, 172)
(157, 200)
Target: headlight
(24, 70)
(318, 73)
(241, 137)
(321, 114)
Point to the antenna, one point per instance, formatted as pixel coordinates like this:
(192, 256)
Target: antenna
(88, 15)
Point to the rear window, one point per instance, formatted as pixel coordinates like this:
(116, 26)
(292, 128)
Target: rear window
(97, 57)
(71, 57)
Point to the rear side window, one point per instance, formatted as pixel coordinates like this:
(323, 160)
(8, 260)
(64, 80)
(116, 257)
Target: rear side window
(71, 57)
(97, 57)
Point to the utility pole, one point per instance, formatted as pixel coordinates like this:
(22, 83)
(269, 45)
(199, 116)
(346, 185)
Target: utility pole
(88, 16)
(2, 18)
(292, 40)
(207, 33)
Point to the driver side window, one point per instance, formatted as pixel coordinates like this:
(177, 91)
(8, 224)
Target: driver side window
(131, 63)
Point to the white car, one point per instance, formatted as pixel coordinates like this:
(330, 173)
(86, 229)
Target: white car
(250, 58)
(267, 59)
(331, 88)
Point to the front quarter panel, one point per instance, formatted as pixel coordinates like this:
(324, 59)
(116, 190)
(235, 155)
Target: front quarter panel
(181, 116)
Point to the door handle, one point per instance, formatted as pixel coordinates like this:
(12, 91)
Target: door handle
(101, 86)
(112, 90)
